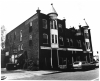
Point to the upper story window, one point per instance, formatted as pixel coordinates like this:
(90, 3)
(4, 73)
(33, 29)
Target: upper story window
(87, 45)
(53, 38)
(19, 48)
(53, 24)
(30, 40)
(67, 40)
(56, 39)
(14, 35)
(44, 21)
(45, 38)
(86, 35)
(30, 27)
(80, 43)
(60, 25)
(30, 37)
(71, 42)
(20, 35)
(61, 42)
(22, 47)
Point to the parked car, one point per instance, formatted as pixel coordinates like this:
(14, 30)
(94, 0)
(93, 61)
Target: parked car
(96, 63)
(83, 65)
(77, 65)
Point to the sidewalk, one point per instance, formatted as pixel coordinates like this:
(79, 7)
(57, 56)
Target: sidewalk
(15, 74)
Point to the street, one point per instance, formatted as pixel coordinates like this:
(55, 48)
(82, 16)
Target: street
(53, 75)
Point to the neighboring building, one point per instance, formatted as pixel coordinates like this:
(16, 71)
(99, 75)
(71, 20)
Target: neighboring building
(46, 40)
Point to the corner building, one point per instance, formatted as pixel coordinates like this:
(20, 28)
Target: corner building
(45, 40)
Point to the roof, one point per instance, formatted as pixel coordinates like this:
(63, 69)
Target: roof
(52, 10)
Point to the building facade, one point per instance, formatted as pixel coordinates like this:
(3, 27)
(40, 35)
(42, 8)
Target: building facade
(45, 39)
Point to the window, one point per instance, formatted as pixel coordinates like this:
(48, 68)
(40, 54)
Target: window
(67, 40)
(86, 35)
(30, 27)
(56, 39)
(30, 40)
(45, 38)
(14, 35)
(19, 48)
(44, 21)
(61, 42)
(20, 35)
(30, 37)
(71, 42)
(59, 25)
(52, 38)
(80, 43)
(53, 24)
(22, 47)
(87, 45)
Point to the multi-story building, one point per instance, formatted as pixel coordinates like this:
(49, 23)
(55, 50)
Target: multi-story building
(46, 40)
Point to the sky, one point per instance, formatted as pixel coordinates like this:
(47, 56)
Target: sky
(14, 12)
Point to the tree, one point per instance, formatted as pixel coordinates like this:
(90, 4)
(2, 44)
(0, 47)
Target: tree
(3, 37)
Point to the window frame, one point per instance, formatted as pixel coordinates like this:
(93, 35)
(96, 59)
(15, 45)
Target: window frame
(21, 46)
(71, 42)
(30, 27)
(44, 34)
(52, 36)
(53, 24)
(56, 42)
(62, 40)
(44, 20)
(20, 35)
(68, 41)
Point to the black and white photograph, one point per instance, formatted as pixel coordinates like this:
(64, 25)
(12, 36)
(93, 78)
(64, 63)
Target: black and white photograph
(50, 40)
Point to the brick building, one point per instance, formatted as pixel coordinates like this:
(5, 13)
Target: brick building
(45, 39)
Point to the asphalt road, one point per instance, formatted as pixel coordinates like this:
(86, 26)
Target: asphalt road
(73, 75)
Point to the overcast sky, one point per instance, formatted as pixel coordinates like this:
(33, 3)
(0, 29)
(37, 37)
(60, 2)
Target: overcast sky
(14, 12)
